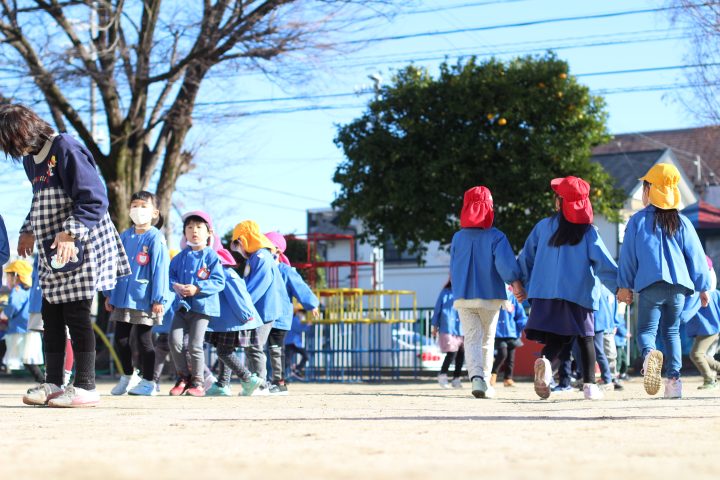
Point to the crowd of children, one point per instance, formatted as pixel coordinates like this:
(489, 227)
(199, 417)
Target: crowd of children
(564, 271)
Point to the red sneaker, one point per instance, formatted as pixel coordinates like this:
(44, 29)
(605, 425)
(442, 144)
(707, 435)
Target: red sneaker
(180, 387)
(196, 390)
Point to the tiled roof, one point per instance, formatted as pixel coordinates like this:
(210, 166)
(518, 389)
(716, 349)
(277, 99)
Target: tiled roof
(686, 144)
(627, 167)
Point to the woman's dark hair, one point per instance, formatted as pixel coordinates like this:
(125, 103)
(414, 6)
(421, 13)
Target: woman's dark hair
(669, 220)
(567, 233)
(149, 197)
(22, 131)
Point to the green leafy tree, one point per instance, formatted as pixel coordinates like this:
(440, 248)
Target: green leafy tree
(511, 126)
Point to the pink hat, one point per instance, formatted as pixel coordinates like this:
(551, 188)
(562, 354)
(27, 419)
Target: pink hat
(214, 242)
(279, 241)
(226, 258)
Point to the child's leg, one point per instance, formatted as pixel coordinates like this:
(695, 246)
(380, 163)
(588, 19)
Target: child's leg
(670, 329)
(553, 346)
(610, 352)
(77, 318)
(459, 360)
(501, 353)
(587, 353)
(229, 359)
(35, 371)
(510, 362)
(622, 360)
(565, 365)
(54, 342)
(196, 340)
(255, 353)
(304, 357)
(162, 349)
(449, 358)
(177, 346)
(472, 328)
(601, 359)
(122, 346)
(488, 322)
(146, 349)
(276, 341)
(700, 346)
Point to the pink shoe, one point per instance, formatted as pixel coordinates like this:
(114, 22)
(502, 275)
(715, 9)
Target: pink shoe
(75, 397)
(196, 391)
(42, 394)
(180, 386)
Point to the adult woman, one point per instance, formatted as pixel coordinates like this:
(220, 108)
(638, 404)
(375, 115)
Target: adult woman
(80, 250)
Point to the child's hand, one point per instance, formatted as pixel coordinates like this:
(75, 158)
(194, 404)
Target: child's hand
(519, 291)
(179, 289)
(625, 295)
(704, 299)
(158, 309)
(315, 313)
(190, 290)
(108, 307)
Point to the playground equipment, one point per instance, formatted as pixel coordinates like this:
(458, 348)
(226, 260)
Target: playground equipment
(360, 335)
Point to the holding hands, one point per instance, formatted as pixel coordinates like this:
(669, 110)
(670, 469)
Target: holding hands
(519, 291)
(625, 295)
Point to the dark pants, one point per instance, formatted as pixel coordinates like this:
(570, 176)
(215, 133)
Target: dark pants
(276, 342)
(555, 344)
(162, 350)
(142, 335)
(600, 358)
(622, 360)
(504, 357)
(290, 351)
(457, 357)
(76, 316)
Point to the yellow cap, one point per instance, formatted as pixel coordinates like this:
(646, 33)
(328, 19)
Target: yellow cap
(173, 252)
(23, 269)
(248, 233)
(664, 192)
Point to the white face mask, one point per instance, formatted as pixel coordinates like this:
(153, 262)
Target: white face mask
(141, 216)
(193, 244)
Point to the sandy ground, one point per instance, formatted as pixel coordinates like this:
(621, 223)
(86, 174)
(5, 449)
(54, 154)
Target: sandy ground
(360, 431)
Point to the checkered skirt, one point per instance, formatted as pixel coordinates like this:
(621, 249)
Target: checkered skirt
(105, 257)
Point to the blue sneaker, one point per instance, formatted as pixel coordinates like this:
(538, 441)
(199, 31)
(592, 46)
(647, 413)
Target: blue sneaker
(218, 391)
(560, 388)
(250, 386)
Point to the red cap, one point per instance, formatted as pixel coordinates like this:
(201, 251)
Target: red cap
(477, 210)
(574, 191)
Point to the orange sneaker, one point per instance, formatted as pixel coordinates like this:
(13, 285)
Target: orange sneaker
(196, 390)
(180, 386)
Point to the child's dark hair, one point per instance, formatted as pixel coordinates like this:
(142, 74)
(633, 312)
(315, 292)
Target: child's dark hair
(196, 219)
(149, 197)
(448, 284)
(567, 233)
(669, 220)
(22, 131)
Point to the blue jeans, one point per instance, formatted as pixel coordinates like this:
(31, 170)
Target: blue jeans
(659, 309)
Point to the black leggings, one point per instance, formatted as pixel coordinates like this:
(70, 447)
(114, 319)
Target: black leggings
(146, 349)
(76, 315)
(555, 343)
(505, 357)
(458, 357)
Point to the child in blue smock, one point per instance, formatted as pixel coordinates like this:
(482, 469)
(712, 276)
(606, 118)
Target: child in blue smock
(662, 259)
(137, 302)
(237, 313)
(481, 263)
(197, 277)
(563, 262)
(297, 289)
(621, 344)
(294, 344)
(24, 347)
(511, 322)
(702, 324)
(446, 326)
(267, 290)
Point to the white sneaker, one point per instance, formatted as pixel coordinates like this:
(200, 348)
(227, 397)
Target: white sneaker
(75, 397)
(146, 388)
(209, 382)
(673, 388)
(543, 377)
(261, 391)
(592, 392)
(456, 383)
(42, 394)
(490, 392)
(126, 382)
(443, 380)
(651, 371)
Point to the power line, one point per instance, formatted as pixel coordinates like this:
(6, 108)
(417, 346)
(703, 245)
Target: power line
(511, 25)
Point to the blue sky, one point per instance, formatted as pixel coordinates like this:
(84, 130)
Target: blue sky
(272, 167)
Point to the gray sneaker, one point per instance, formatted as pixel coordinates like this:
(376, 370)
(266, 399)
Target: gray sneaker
(479, 387)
